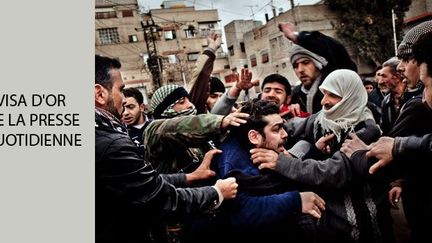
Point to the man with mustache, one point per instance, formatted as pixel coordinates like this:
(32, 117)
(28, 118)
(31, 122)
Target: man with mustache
(409, 143)
(356, 209)
(131, 197)
(313, 57)
(268, 205)
(395, 98)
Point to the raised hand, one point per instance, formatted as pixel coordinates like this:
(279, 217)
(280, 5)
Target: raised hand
(288, 30)
(244, 81)
(214, 41)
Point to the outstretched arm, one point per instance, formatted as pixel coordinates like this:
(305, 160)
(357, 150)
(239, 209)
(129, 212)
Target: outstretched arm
(198, 87)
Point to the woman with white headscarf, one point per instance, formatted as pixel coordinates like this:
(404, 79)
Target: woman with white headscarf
(356, 205)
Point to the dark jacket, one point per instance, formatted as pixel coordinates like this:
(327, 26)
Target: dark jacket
(412, 157)
(332, 50)
(410, 101)
(136, 134)
(130, 195)
(335, 54)
(298, 97)
(413, 148)
(357, 209)
(415, 119)
(266, 205)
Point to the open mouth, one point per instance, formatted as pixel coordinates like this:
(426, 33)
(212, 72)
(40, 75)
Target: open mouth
(281, 148)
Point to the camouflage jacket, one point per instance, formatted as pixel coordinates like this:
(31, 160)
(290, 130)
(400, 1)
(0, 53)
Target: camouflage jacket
(175, 144)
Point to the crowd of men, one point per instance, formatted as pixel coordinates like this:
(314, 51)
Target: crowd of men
(323, 161)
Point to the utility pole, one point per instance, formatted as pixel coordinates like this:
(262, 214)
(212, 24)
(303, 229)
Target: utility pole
(394, 30)
(154, 62)
(293, 13)
(251, 9)
(273, 8)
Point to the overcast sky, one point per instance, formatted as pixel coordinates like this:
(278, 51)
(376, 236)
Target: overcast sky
(235, 9)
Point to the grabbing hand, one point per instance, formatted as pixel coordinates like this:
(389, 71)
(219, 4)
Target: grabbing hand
(228, 187)
(264, 158)
(312, 204)
(203, 171)
(382, 150)
(323, 143)
(349, 146)
(234, 119)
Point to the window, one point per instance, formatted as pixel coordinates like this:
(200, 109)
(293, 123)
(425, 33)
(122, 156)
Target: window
(257, 33)
(109, 36)
(265, 58)
(172, 58)
(207, 25)
(282, 40)
(127, 13)
(253, 60)
(169, 34)
(231, 50)
(273, 43)
(133, 38)
(106, 15)
(190, 32)
(230, 78)
(242, 47)
(193, 56)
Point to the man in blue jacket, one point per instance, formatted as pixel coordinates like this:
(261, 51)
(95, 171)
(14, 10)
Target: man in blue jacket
(267, 205)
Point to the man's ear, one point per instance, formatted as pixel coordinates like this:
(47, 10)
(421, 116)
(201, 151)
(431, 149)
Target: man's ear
(142, 107)
(288, 99)
(254, 137)
(101, 95)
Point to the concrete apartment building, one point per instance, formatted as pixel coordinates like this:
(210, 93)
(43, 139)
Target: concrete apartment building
(419, 11)
(234, 32)
(267, 49)
(181, 38)
(116, 37)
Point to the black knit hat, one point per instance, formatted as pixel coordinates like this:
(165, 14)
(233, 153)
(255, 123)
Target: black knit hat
(405, 47)
(216, 85)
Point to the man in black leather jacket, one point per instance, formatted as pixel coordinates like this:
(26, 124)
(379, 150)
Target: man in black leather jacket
(411, 153)
(130, 196)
